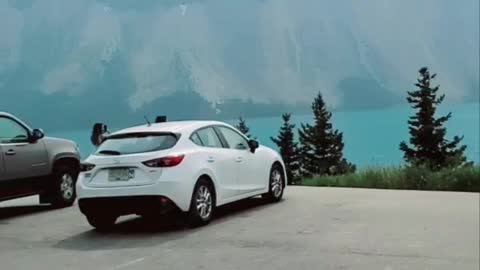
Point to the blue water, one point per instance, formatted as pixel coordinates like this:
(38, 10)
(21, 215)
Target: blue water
(371, 137)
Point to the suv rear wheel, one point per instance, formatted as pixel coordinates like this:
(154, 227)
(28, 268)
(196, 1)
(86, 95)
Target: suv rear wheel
(63, 189)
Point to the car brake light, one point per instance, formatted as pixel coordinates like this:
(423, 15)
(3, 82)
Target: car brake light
(85, 167)
(169, 161)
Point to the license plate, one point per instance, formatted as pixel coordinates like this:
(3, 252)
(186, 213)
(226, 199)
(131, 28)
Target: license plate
(123, 174)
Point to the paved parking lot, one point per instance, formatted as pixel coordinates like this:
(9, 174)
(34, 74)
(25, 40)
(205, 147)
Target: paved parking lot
(312, 228)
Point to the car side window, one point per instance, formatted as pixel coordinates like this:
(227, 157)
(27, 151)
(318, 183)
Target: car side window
(12, 132)
(209, 138)
(234, 140)
(196, 139)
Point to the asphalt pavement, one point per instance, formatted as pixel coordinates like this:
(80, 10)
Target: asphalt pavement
(312, 228)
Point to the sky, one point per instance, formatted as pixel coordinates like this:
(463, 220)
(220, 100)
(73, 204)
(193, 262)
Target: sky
(260, 51)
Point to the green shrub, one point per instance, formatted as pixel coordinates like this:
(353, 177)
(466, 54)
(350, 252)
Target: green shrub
(416, 178)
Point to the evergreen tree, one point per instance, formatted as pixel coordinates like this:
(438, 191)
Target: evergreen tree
(321, 146)
(242, 127)
(288, 149)
(427, 133)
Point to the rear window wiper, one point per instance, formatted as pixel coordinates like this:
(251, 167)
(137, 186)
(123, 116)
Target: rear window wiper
(110, 152)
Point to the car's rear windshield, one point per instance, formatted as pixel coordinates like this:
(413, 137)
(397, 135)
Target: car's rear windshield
(134, 143)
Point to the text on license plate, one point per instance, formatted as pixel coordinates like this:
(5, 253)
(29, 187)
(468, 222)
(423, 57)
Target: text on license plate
(121, 174)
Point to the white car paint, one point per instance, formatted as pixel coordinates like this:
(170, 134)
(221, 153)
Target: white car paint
(236, 174)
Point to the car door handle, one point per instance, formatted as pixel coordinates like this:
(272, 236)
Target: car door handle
(239, 159)
(211, 159)
(10, 152)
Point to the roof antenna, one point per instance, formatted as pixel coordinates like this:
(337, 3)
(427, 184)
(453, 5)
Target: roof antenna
(146, 119)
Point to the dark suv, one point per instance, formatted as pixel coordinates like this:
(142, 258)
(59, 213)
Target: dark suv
(33, 164)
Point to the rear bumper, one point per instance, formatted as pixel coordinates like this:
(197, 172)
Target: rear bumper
(178, 192)
(126, 205)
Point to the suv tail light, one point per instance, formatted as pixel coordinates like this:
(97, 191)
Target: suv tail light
(85, 167)
(169, 161)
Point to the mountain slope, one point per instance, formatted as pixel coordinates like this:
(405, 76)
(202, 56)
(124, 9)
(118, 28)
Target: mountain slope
(105, 59)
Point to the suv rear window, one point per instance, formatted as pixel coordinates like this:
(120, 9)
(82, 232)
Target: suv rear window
(134, 143)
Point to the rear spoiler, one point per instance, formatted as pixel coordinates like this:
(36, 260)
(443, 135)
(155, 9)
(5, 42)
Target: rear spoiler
(142, 134)
(161, 119)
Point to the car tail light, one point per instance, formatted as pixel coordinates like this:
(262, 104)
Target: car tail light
(169, 161)
(85, 167)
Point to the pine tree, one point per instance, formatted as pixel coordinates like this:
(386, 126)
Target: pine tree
(242, 127)
(321, 146)
(427, 133)
(288, 149)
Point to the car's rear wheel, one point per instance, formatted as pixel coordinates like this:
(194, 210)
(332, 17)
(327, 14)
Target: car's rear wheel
(202, 204)
(63, 189)
(276, 184)
(102, 222)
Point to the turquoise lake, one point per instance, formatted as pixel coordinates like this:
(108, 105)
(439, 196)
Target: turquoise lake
(371, 137)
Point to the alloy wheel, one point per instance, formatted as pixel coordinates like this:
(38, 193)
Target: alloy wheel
(204, 202)
(67, 186)
(276, 183)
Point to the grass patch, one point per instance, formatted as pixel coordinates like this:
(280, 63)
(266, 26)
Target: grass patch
(459, 179)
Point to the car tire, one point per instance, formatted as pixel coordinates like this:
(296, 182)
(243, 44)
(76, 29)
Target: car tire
(62, 192)
(102, 222)
(202, 204)
(276, 184)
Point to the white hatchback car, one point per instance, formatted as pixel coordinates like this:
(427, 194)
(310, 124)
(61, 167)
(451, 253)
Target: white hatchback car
(194, 166)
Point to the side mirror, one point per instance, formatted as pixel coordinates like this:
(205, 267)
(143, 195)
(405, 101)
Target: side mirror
(36, 135)
(253, 144)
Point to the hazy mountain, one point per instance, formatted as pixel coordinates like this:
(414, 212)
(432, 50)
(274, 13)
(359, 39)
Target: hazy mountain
(117, 60)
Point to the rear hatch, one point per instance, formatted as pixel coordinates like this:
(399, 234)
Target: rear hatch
(121, 160)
